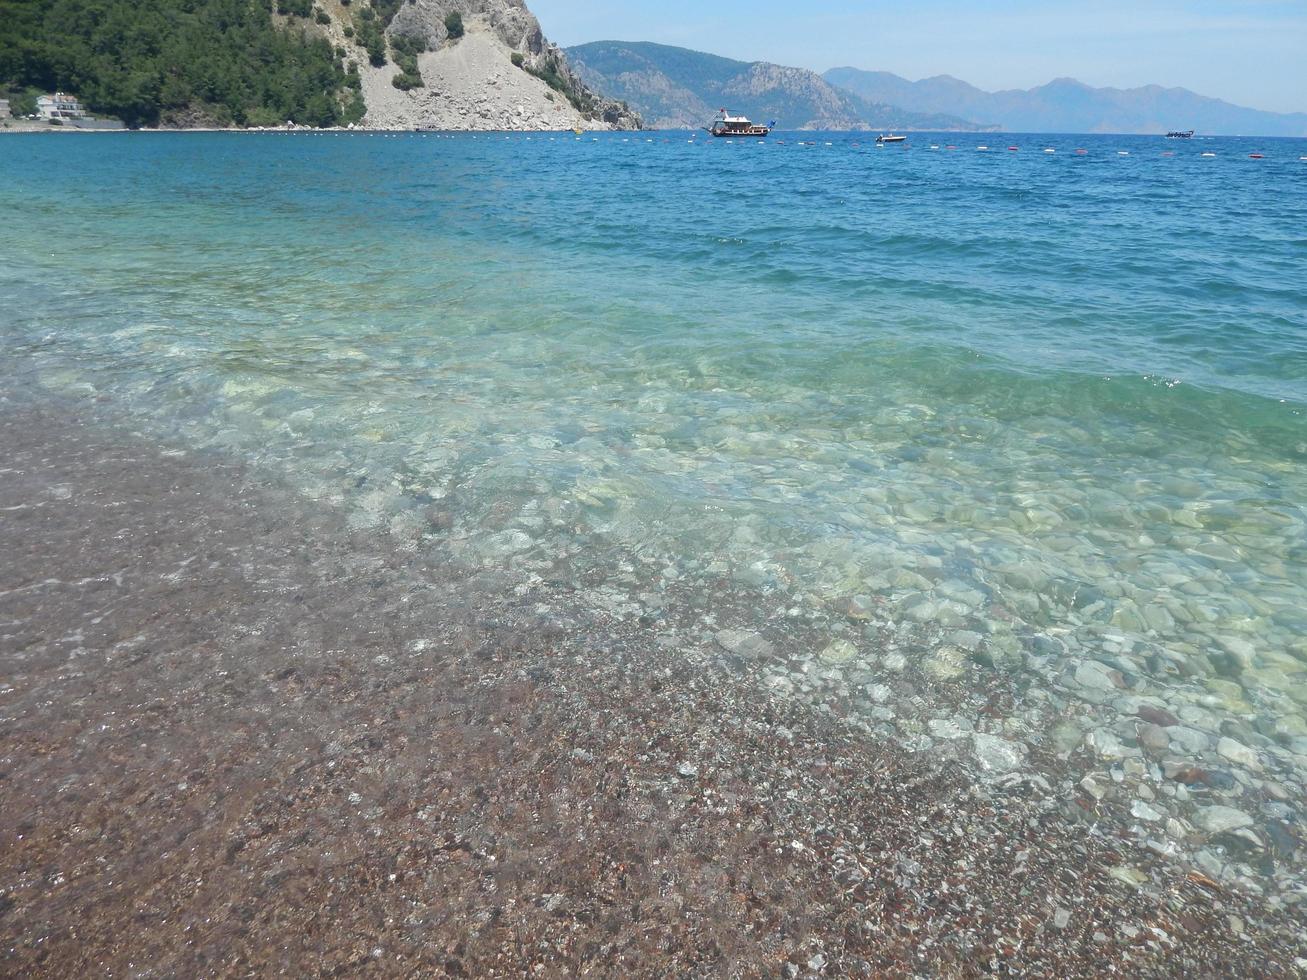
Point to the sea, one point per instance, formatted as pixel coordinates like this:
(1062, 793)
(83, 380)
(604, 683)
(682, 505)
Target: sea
(1026, 411)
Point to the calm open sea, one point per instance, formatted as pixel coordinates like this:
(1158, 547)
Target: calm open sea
(1044, 409)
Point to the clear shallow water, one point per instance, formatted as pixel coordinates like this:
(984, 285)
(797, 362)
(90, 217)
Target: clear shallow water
(1053, 402)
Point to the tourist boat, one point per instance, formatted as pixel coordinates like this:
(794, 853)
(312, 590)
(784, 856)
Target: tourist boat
(728, 125)
(1178, 135)
(891, 138)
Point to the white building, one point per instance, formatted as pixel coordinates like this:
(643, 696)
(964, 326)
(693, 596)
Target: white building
(4, 109)
(59, 106)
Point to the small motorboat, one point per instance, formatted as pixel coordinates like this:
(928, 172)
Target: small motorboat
(1186, 134)
(728, 125)
(890, 138)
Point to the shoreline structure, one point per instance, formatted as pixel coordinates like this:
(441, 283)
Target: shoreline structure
(239, 736)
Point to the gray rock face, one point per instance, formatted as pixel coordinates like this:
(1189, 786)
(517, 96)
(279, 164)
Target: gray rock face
(512, 21)
(520, 31)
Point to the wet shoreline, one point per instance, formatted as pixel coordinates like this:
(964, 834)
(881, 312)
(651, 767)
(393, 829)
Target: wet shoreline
(241, 737)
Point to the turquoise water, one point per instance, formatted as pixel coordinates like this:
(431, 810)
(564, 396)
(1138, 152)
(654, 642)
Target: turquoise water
(1046, 405)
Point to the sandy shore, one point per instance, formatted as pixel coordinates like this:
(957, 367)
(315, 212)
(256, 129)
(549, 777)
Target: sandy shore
(238, 739)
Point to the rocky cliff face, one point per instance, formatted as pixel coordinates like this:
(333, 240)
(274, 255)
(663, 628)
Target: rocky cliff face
(502, 73)
(510, 21)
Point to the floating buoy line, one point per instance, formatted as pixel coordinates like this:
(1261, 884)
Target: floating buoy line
(694, 140)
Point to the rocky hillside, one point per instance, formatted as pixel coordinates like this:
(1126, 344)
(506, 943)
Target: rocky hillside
(463, 64)
(450, 64)
(1068, 106)
(675, 88)
(177, 62)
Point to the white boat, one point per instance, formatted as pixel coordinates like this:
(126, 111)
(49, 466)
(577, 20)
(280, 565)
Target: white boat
(728, 125)
(890, 138)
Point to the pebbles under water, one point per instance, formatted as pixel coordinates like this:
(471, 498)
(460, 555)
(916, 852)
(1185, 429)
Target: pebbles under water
(1008, 465)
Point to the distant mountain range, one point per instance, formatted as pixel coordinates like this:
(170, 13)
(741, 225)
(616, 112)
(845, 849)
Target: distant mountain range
(676, 88)
(1068, 106)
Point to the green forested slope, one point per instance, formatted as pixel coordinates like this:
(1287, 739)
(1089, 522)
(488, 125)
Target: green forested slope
(146, 60)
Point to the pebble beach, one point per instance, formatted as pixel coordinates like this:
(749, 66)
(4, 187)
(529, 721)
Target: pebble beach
(411, 571)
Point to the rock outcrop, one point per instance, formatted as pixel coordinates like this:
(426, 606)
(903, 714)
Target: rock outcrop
(501, 73)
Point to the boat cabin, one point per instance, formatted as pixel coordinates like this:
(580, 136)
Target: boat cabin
(728, 125)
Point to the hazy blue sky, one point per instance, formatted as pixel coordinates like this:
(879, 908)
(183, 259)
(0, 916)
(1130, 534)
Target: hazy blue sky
(1253, 52)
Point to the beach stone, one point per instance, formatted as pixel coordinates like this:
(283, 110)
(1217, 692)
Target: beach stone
(1098, 677)
(839, 652)
(946, 728)
(1157, 716)
(1061, 919)
(966, 639)
(1282, 838)
(1291, 726)
(949, 617)
(1091, 785)
(1105, 744)
(1221, 819)
(1221, 779)
(998, 755)
(1190, 740)
(1230, 695)
(1184, 773)
(1238, 648)
(922, 610)
(1159, 618)
(946, 664)
(1065, 737)
(1154, 737)
(1238, 753)
(880, 693)
(744, 644)
(1127, 875)
(1142, 811)
(855, 607)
